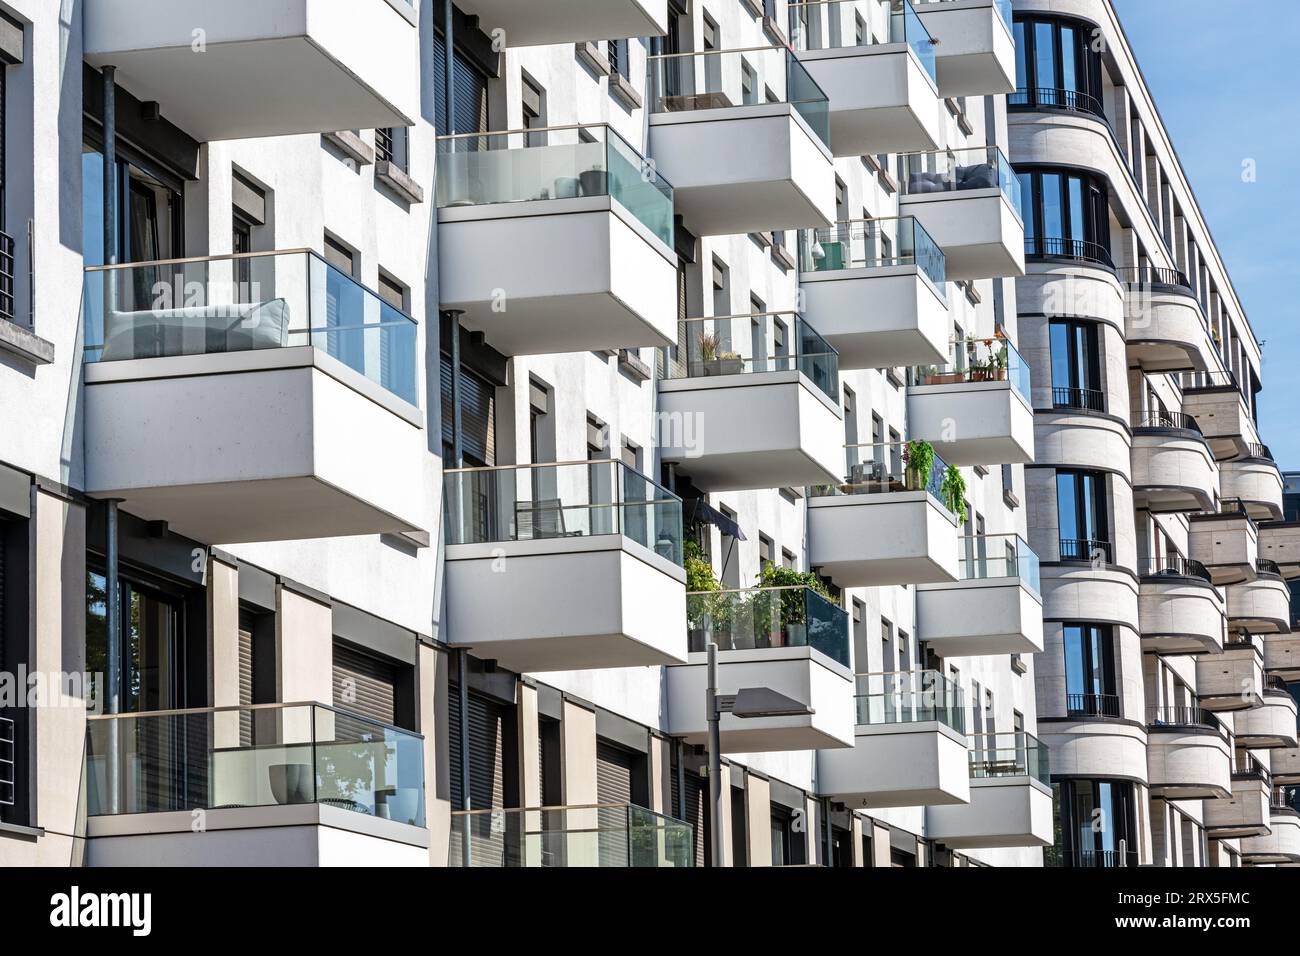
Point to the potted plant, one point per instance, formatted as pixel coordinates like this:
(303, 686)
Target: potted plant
(953, 489)
(1001, 359)
(714, 361)
(594, 181)
(918, 460)
(790, 628)
(730, 363)
(705, 610)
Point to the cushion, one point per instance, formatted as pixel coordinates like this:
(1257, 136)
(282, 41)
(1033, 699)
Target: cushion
(980, 176)
(196, 330)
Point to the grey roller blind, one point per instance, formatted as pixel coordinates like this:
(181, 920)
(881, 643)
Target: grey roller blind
(470, 107)
(364, 684)
(477, 414)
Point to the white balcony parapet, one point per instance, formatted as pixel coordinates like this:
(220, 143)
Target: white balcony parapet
(1010, 797)
(996, 606)
(1174, 469)
(1188, 754)
(976, 53)
(1180, 611)
(530, 23)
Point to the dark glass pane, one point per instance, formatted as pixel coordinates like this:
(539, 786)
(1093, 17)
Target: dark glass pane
(1053, 215)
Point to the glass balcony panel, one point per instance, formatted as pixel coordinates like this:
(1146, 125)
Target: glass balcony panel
(960, 170)
(872, 244)
(1009, 755)
(905, 697)
(890, 467)
(838, 24)
(761, 618)
(998, 556)
(993, 359)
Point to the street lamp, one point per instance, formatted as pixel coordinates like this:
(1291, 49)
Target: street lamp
(746, 703)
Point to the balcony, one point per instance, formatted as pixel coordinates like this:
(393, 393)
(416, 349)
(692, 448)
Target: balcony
(1246, 812)
(259, 397)
(600, 835)
(1281, 846)
(894, 265)
(1284, 766)
(275, 784)
(764, 125)
(1271, 725)
(753, 403)
(1254, 480)
(1216, 400)
(253, 68)
(1234, 679)
(884, 97)
(1165, 327)
(976, 410)
(996, 606)
(976, 52)
(1226, 542)
(910, 745)
(1173, 468)
(1188, 755)
(1179, 610)
(1261, 606)
(1279, 542)
(790, 639)
(1010, 797)
(593, 552)
(1282, 655)
(892, 520)
(529, 23)
(597, 224)
(969, 201)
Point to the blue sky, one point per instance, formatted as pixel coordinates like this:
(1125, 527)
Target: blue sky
(1223, 78)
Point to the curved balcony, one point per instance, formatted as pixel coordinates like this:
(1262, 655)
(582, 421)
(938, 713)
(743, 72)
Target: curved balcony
(894, 265)
(791, 640)
(597, 221)
(1261, 606)
(1074, 251)
(1188, 754)
(976, 53)
(1179, 610)
(1281, 846)
(1010, 797)
(1279, 542)
(909, 747)
(1173, 468)
(1270, 725)
(256, 397)
(753, 403)
(1089, 747)
(1216, 399)
(1282, 655)
(1164, 327)
(1284, 766)
(969, 201)
(1255, 480)
(996, 606)
(593, 559)
(887, 522)
(527, 23)
(1245, 813)
(1046, 98)
(1226, 542)
(884, 97)
(1234, 679)
(765, 125)
(975, 411)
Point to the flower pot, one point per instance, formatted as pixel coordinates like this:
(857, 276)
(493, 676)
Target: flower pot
(291, 783)
(594, 182)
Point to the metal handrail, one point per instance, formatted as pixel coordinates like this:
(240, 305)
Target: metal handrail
(745, 49)
(1092, 705)
(1081, 549)
(1153, 275)
(188, 260)
(1174, 566)
(6, 276)
(1077, 250)
(1090, 399)
(522, 132)
(244, 708)
(1267, 567)
(1182, 715)
(1075, 101)
(1180, 420)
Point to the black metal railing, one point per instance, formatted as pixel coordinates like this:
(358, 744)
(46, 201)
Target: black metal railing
(1086, 549)
(1267, 568)
(1181, 715)
(1180, 420)
(1088, 399)
(1092, 705)
(1275, 686)
(1232, 508)
(1075, 250)
(1259, 451)
(1046, 97)
(1247, 765)
(1089, 859)
(1174, 566)
(1205, 381)
(8, 759)
(1154, 276)
(6, 277)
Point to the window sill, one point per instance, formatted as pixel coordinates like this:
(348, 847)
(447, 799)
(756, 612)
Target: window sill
(395, 178)
(26, 345)
(351, 145)
(622, 90)
(589, 54)
(22, 832)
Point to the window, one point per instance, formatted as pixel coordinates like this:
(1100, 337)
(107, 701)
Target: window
(1090, 688)
(470, 110)
(1076, 365)
(788, 560)
(534, 109)
(1066, 216)
(1098, 823)
(1081, 515)
(766, 551)
(619, 61)
(1056, 66)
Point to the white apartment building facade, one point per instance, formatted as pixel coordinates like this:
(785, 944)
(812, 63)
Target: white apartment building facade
(410, 397)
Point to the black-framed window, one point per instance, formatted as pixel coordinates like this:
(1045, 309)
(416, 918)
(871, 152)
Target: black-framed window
(1066, 215)
(1057, 66)
(1097, 823)
(1076, 365)
(1090, 686)
(1082, 516)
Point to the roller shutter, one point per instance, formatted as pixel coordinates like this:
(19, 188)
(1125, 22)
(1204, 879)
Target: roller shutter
(692, 809)
(470, 108)
(245, 687)
(363, 684)
(477, 414)
(614, 791)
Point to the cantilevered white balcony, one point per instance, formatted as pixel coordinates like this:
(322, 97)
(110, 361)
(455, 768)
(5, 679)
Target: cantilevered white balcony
(261, 397)
(1010, 797)
(1180, 611)
(530, 23)
(976, 52)
(1279, 542)
(892, 520)
(1164, 325)
(910, 747)
(1188, 755)
(975, 410)
(1270, 725)
(1234, 679)
(884, 97)
(550, 244)
(744, 137)
(1216, 401)
(894, 265)
(791, 640)
(1226, 542)
(1282, 655)
(275, 785)
(1246, 812)
(752, 403)
(1281, 847)
(1173, 467)
(1255, 481)
(1261, 606)
(251, 68)
(969, 201)
(564, 567)
(996, 606)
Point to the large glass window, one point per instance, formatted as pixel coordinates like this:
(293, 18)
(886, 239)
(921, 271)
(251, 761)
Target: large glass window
(150, 647)
(1066, 215)
(149, 207)
(1081, 516)
(1056, 66)
(1076, 365)
(1090, 689)
(1098, 825)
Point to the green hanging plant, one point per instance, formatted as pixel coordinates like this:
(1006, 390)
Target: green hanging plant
(699, 572)
(918, 460)
(953, 490)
